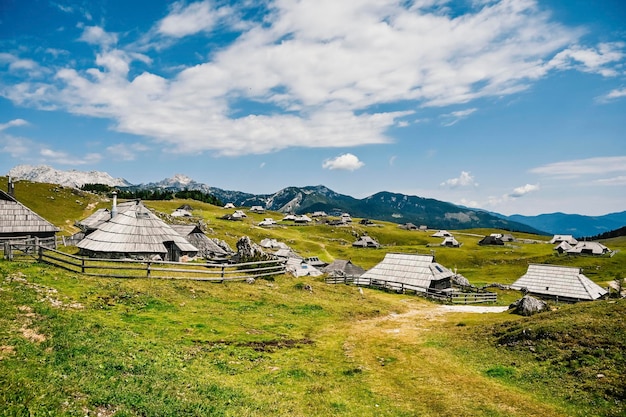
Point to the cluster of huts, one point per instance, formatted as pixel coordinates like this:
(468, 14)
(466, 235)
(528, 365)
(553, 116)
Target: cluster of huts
(130, 230)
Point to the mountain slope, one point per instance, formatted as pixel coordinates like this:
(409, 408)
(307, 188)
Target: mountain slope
(573, 224)
(73, 178)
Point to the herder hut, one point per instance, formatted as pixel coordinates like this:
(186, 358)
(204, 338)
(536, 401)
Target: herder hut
(589, 248)
(137, 233)
(491, 240)
(366, 241)
(18, 221)
(450, 242)
(442, 233)
(207, 248)
(407, 271)
(300, 268)
(562, 247)
(563, 283)
(563, 238)
(101, 216)
(408, 226)
(343, 268)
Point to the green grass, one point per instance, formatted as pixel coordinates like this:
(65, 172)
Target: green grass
(76, 345)
(150, 347)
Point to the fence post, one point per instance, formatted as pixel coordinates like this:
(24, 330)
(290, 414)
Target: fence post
(148, 269)
(40, 254)
(82, 265)
(35, 244)
(7, 251)
(222, 271)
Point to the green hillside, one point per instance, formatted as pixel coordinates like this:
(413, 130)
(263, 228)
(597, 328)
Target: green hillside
(77, 345)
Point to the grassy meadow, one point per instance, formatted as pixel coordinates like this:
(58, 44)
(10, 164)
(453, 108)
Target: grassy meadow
(73, 345)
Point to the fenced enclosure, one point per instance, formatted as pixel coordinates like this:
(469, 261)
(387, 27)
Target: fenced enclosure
(453, 296)
(25, 247)
(128, 268)
(43, 250)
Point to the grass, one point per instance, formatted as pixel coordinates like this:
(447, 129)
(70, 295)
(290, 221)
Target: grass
(149, 347)
(76, 345)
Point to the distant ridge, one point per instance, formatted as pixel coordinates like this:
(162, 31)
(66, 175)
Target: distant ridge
(394, 207)
(73, 178)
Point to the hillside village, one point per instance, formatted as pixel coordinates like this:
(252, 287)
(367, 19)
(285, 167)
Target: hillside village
(131, 231)
(167, 262)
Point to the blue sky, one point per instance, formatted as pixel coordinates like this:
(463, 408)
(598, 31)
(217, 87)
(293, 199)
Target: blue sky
(513, 106)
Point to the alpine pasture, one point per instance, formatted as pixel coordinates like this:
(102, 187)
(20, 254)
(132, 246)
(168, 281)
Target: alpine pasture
(76, 345)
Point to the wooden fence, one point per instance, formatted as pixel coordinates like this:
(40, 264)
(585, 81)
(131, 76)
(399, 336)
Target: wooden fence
(25, 247)
(450, 296)
(125, 268)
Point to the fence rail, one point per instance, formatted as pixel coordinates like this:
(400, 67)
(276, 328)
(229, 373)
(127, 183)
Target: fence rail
(125, 268)
(37, 249)
(25, 247)
(453, 297)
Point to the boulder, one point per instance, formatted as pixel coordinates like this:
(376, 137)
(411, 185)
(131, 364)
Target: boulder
(460, 280)
(528, 305)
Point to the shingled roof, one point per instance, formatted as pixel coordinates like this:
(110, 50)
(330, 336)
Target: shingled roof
(135, 231)
(18, 220)
(415, 272)
(563, 282)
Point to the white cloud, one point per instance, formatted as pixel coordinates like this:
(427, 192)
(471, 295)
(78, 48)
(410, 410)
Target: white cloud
(613, 95)
(523, 190)
(314, 69)
(345, 162)
(96, 35)
(63, 158)
(594, 60)
(124, 152)
(185, 20)
(619, 180)
(581, 167)
(456, 116)
(392, 160)
(13, 123)
(464, 180)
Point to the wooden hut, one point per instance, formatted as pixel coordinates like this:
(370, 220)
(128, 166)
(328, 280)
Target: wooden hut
(18, 221)
(207, 248)
(135, 232)
(344, 268)
(409, 272)
(564, 283)
(366, 241)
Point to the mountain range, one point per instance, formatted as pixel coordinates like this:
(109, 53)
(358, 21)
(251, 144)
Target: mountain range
(394, 207)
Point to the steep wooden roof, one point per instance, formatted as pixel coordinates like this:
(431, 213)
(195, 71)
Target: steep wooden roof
(16, 218)
(413, 270)
(135, 229)
(562, 281)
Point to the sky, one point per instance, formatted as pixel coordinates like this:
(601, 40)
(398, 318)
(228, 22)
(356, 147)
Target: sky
(512, 106)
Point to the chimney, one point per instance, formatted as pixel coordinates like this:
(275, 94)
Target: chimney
(114, 208)
(11, 187)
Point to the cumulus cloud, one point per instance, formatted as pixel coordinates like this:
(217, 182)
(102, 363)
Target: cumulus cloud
(96, 35)
(523, 190)
(316, 71)
(463, 180)
(185, 20)
(581, 167)
(345, 162)
(63, 158)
